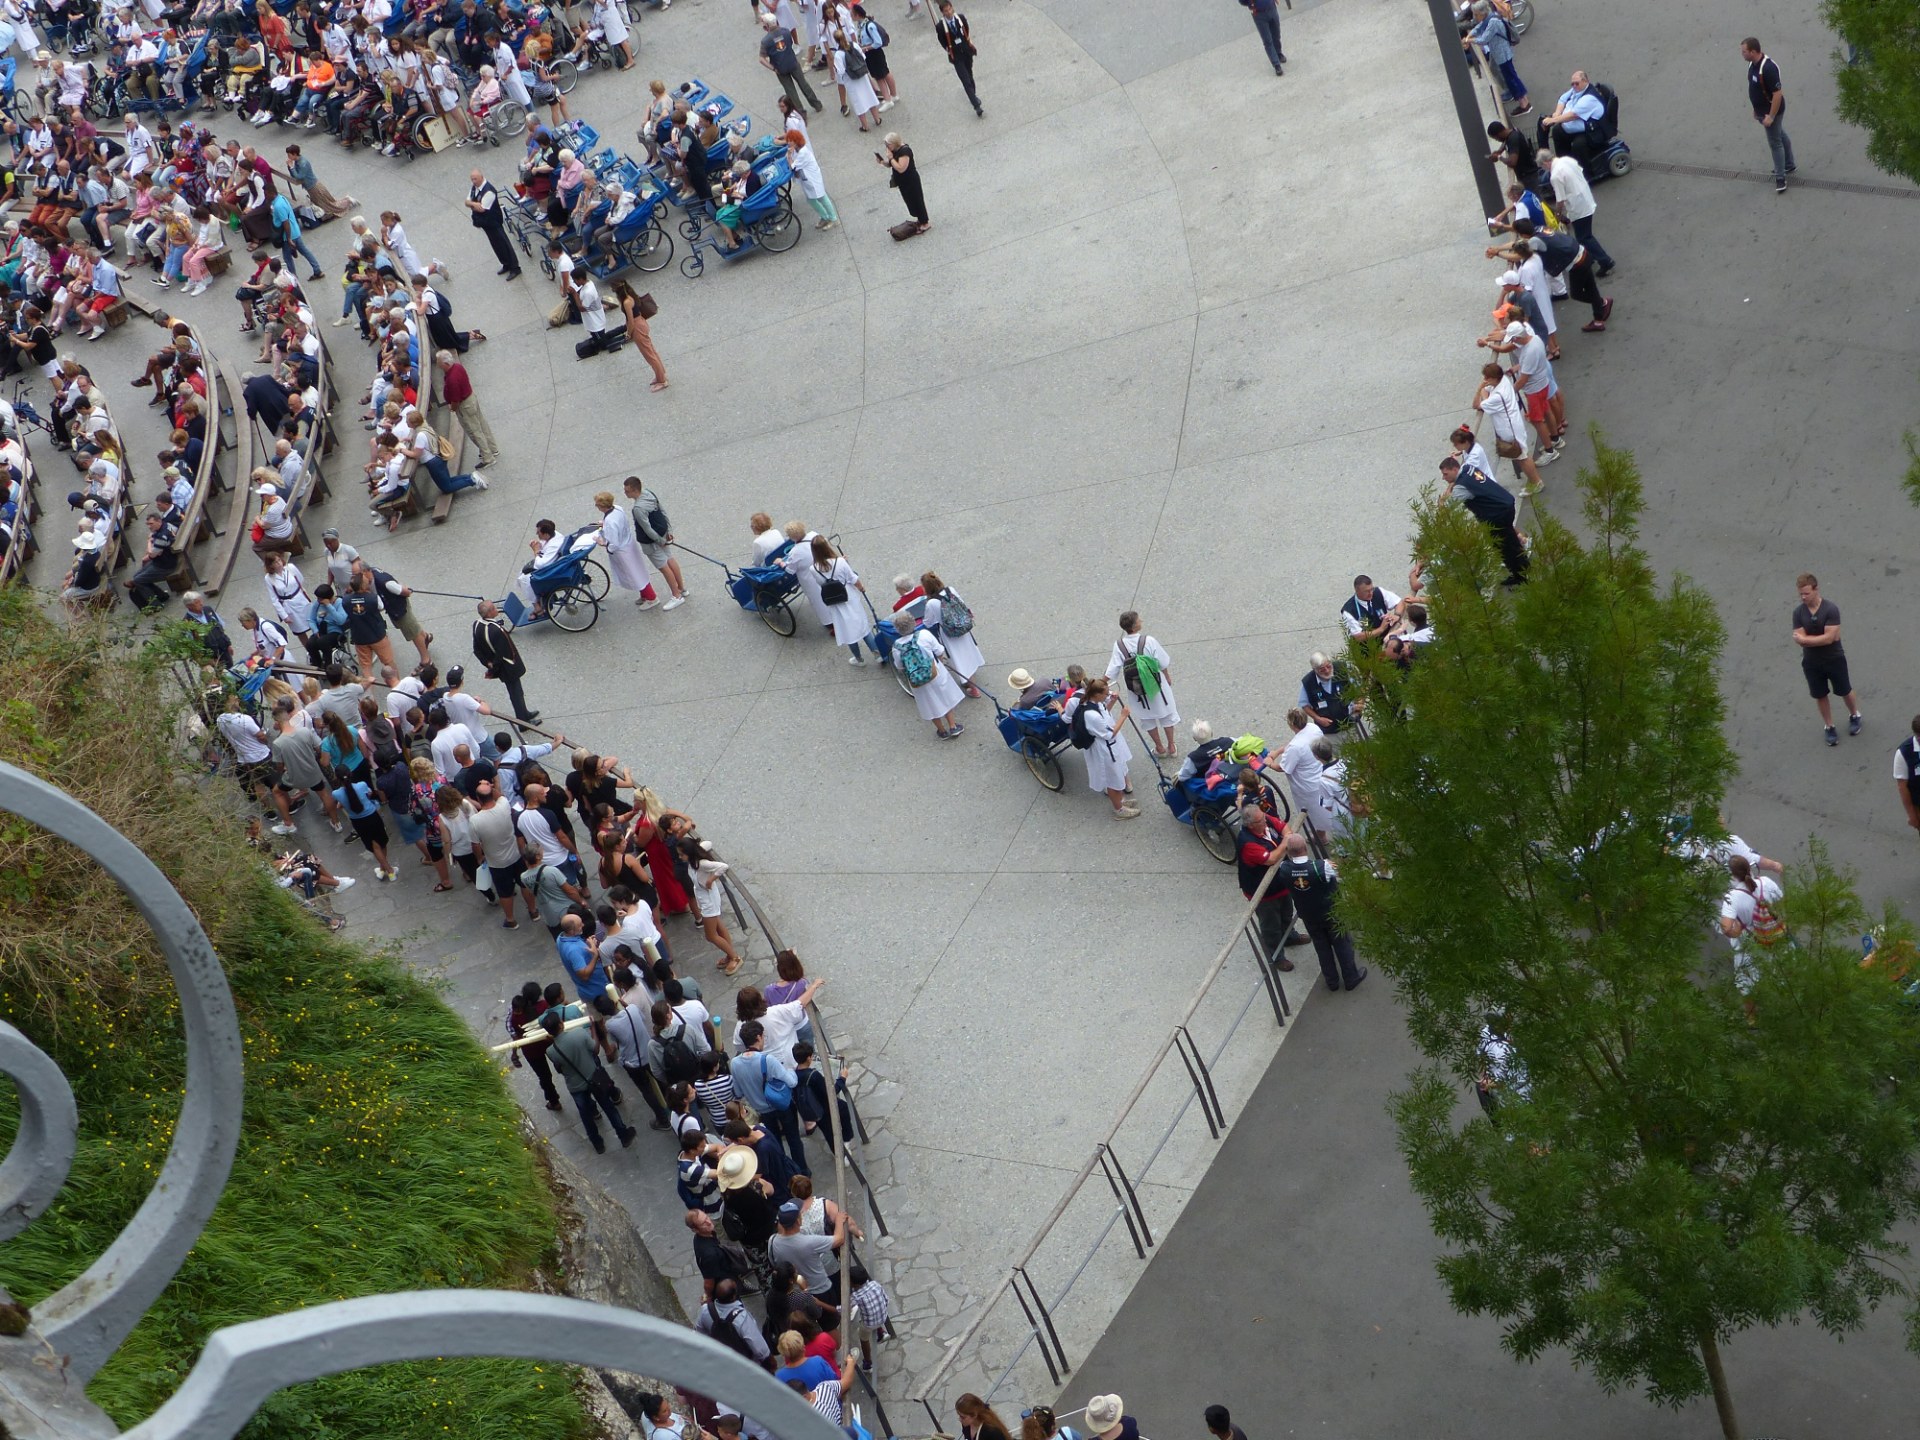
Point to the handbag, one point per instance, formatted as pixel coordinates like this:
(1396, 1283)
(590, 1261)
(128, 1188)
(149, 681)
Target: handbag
(779, 1094)
(1507, 449)
(483, 879)
(445, 446)
(647, 306)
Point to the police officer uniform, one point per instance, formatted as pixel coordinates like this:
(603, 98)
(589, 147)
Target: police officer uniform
(1313, 884)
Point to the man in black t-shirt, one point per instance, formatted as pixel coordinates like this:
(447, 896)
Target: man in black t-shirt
(1769, 103)
(1816, 630)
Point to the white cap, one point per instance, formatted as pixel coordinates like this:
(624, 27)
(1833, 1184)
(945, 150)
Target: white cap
(91, 540)
(266, 490)
(1510, 277)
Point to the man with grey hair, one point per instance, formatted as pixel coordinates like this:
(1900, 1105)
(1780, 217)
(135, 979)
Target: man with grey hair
(1323, 694)
(1313, 884)
(456, 388)
(777, 54)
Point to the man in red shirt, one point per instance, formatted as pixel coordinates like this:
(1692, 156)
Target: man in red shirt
(1262, 848)
(457, 390)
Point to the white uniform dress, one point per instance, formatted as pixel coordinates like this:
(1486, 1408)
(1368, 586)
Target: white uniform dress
(1160, 713)
(624, 560)
(940, 695)
(852, 621)
(290, 599)
(799, 564)
(607, 14)
(963, 651)
(861, 98)
(1303, 771)
(806, 166)
(1109, 755)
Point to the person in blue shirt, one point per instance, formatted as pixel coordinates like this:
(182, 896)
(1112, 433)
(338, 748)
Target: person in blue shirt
(754, 1073)
(286, 229)
(1493, 34)
(363, 812)
(1574, 120)
(579, 955)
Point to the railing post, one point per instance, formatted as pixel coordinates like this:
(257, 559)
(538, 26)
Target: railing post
(1126, 1211)
(1202, 1078)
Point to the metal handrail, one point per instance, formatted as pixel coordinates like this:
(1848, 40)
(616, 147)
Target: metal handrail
(26, 513)
(1127, 1204)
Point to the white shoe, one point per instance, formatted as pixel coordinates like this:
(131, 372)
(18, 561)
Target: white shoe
(341, 321)
(856, 660)
(675, 603)
(1546, 457)
(886, 105)
(347, 882)
(479, 481)
(201, 288)
(1127, 812)
(286, 829)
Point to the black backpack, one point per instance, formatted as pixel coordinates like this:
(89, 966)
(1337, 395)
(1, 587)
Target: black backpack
(1077, 730)
(678, 1064)
(657, 520)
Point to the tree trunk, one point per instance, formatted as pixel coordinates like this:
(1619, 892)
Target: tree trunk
(1722, 1396)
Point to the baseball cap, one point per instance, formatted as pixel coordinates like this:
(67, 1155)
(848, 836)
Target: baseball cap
(789, 1212)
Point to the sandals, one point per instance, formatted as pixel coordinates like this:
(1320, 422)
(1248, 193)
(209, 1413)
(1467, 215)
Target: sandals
(440, 888)
(726, 969)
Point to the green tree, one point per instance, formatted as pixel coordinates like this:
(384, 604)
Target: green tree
(1542, 785)
(1880, 89)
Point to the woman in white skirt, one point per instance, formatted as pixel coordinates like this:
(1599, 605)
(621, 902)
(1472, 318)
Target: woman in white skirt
(624, 559)
(798, 562)
(610, 17)
(937, 699)
(857, 92)
(1158, 713)
(852, 621)
(1109, 755)
(963, 651)
(291, 602)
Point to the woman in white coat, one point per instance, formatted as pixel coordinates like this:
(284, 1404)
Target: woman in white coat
(624, 560)
(849, 614)
(798, 562)
(937, 699)
(963, 651)
(856, 91)
(610, 17)
(813, 184)
(1109, 755)
(1158, 713)
(291, 602)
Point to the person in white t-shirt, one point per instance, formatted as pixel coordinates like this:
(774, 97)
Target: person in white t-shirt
(1497, 401)
(1747, 918)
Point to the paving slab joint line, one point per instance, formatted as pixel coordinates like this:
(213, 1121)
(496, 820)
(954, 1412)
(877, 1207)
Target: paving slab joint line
(1709, 172)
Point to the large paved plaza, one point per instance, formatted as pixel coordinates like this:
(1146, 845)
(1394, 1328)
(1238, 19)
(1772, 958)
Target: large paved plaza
(1185, 338)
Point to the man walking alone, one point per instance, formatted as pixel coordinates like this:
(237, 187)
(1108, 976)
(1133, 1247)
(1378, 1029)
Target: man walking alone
(956, 38)
(1769, 101)
(1816, 630)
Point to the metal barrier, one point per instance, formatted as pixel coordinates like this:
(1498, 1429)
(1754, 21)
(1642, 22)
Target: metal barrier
(1037, 1311)
(26, 512)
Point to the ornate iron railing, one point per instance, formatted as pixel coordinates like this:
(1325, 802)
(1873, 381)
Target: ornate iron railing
(62, 1344)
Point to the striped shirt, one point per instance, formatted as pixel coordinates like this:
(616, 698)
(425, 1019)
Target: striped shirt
(714, 1095)
(699, 1186)
(826, 1399)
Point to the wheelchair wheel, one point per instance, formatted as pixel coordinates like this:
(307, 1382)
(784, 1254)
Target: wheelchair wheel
(1215, 835)
(780, 231)
(546, 265)
(1281, 806)
(690, 229)
(1522, 16)
(566, 75)
(1620, 161)
(651, 250)
(692, 266)
(417, 134)
(775, 614)
(573, 608)
(508, 118)
(1044, 764)
(595, 579)
(900, 679)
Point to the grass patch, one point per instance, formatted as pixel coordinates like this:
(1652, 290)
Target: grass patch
(380, 1150)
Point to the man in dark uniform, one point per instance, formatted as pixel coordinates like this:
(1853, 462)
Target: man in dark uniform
(493, 647)
(1260, 851)
(488, 218)
(1312, 884)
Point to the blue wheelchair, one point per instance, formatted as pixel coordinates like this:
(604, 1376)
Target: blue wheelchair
(1211, 811)
(765, 222)
(1037, 736)
(564, 589)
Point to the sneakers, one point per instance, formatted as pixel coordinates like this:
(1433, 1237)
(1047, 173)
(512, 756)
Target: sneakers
(1780, 186)
(347, 882)
(380, 874)
(1127, 812)
(292, 829)
(338, 828)
(201, 288)
(958, 729)
(1527, 492)
(646, 604)
(343, 320)
(1853, 723)
(1546, 456)
(1833, 736)
(479, 481)
(856, 660)
(675, 603)
(163, 282)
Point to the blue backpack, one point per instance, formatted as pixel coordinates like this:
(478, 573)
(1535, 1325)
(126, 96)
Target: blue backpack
(916, 663)
(779, 1093)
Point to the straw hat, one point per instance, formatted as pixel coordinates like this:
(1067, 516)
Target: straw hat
(1019, 680)
(738, 1165)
